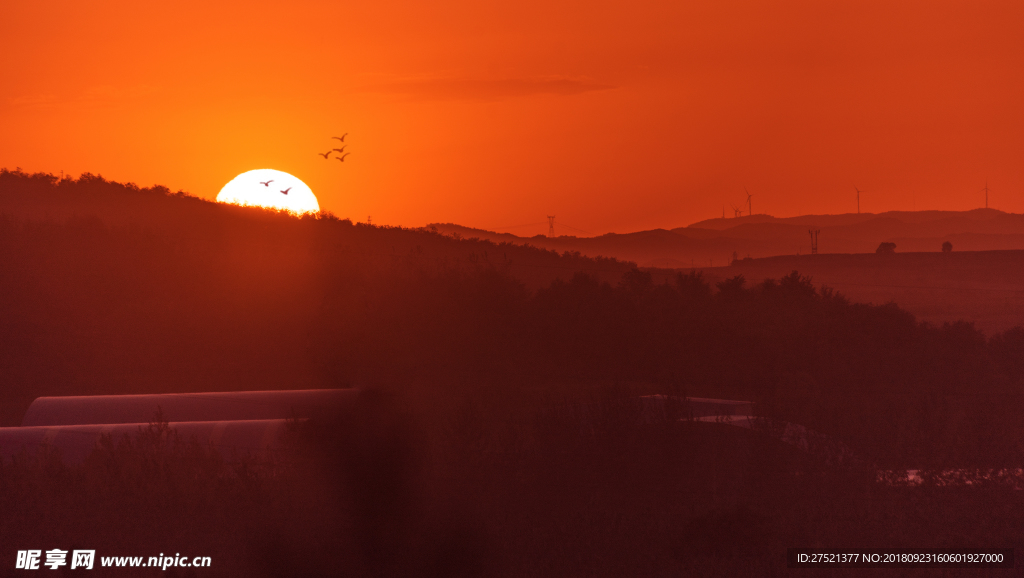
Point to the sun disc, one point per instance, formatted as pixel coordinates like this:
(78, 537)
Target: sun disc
(271, 189)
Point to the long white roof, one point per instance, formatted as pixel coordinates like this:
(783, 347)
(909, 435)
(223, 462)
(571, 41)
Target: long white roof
(185, 407)
(75, 442)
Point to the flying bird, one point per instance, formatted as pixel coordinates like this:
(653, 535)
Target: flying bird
(341, 138)
(342, 157)
(342, 149)
(285, 192)
(325, 155)
(266, 184)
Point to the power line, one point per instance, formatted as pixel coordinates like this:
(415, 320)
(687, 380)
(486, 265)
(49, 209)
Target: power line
(548, 222)
(517, 226)
(575, 229)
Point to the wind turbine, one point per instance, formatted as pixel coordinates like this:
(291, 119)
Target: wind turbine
(735, 212)
(750, 206)
(858, 197)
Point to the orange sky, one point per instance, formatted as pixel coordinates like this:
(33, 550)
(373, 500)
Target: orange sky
(613, 116)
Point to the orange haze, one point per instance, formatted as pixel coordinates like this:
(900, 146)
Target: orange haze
(613, 116)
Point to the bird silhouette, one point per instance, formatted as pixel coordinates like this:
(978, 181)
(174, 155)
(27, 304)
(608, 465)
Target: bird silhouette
(342, 157)
(342, 149)
(285, 192)
(341, 138)
(326, 155)
(266, 184)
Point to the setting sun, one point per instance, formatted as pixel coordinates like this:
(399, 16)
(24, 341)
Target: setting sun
(271, 189)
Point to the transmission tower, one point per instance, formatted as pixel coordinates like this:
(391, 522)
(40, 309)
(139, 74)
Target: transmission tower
(551, 225)
(814, 240)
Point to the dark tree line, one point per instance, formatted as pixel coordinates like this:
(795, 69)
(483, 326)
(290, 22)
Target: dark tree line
(246, 299)
(466, 457)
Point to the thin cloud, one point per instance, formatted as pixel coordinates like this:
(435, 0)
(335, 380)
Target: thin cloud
(94, 94)
(107, 92)
(32, 100)
(453, 88)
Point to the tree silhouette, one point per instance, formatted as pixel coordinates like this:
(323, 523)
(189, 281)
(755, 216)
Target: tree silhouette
(886, 248)
(947, 247)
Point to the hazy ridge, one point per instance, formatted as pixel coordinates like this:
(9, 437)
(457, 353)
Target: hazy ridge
(714, 242)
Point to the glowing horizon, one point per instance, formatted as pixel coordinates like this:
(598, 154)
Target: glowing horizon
(271, 189)
(614, 118)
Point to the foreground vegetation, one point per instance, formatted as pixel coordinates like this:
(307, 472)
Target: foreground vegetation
(465, 457)
(402, 487)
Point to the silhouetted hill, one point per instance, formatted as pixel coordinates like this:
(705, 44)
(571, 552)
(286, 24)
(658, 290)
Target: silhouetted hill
(717, 241)
(983, 287)
(498, 402)
(45, 198)
(656, 248)
(110, 288)
(847, 219)
(207, 297)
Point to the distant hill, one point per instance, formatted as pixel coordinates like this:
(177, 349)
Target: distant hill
(715, 242)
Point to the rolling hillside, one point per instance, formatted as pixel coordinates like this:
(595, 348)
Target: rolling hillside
(982, 287)
(716, 242)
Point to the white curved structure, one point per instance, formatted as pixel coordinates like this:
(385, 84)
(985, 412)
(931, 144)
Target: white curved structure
(660, 407)
(186, 407)
(75, 442)
(737, 413)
